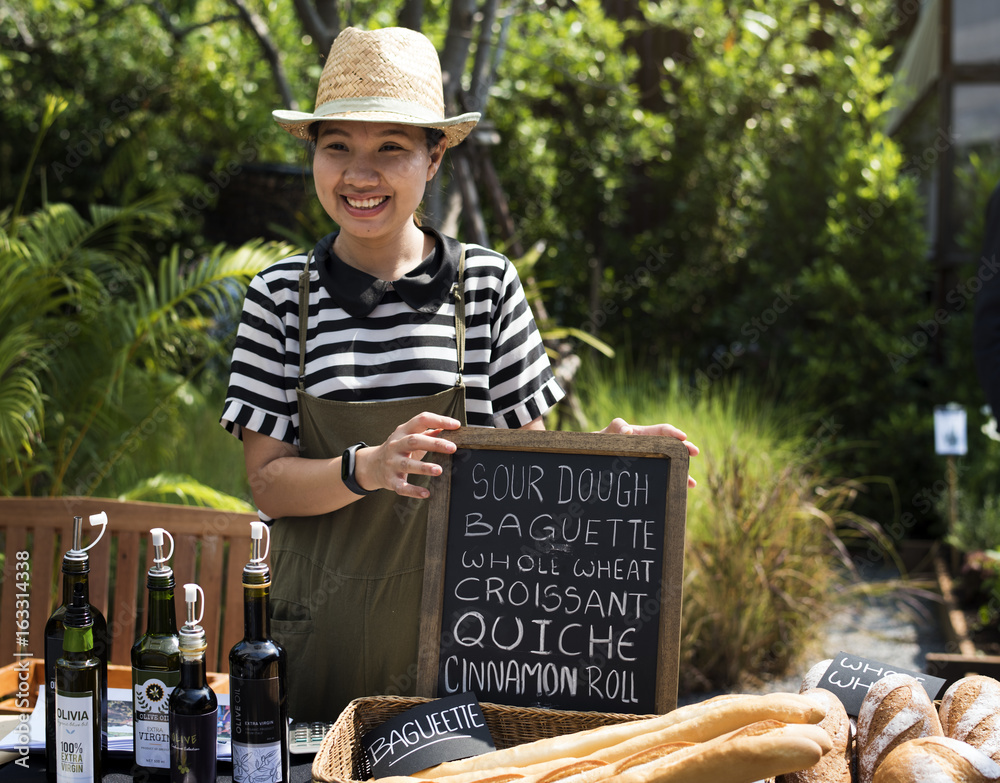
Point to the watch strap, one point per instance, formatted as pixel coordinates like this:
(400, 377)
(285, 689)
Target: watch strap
(348, 464)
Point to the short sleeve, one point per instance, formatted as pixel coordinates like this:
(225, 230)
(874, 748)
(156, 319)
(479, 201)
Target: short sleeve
(522, 385)
(258, 393)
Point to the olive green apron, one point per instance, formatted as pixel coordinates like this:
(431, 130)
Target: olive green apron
(346, 592)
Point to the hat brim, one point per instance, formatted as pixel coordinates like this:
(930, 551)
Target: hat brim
(455, 129)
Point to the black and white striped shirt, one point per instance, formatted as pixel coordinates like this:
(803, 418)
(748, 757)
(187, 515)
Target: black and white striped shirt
(374, 341)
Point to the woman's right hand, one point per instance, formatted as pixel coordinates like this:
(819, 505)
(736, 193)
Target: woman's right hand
(390, 465)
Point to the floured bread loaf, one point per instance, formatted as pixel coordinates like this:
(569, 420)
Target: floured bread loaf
(835, 766)
(895, 709)
(937, 760)
(970, 712)
(816, 673)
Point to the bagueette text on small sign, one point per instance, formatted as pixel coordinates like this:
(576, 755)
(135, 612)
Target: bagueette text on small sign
(426, 735)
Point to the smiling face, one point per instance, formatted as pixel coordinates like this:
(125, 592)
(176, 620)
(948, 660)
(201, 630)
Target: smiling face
(370, 176)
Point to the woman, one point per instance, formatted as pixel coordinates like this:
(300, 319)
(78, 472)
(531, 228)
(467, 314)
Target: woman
(407, 333)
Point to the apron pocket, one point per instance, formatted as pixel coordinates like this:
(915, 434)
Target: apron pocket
(291, 626)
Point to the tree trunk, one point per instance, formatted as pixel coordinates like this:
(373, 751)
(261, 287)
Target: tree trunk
(456, 51)
(259, 28)
(482, 71)
(321, 22)
(411, 15)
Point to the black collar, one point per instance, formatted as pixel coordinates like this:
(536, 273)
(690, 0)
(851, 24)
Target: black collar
(423, 288)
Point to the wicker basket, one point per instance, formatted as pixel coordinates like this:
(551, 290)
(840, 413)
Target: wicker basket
(340, 758)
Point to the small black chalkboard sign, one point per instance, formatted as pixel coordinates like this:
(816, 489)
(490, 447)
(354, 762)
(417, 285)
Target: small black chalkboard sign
(426, 735)
(850, 676)
(553, 572)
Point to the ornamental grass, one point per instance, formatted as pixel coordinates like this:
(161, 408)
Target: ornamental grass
(765, 561)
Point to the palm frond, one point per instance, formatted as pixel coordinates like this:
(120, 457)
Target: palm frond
(186, 490)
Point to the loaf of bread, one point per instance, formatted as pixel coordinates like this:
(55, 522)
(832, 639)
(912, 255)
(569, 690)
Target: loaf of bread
(937, 760)
(895, 709)
(835, 766)
(970, 712)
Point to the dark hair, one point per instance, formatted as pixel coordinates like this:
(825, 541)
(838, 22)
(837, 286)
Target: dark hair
(433, 135)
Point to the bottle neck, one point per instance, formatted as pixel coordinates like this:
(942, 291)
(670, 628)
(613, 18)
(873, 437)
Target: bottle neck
(193, 672)
(78, 644)
(70, 580)
(162, 614)
(256, 626)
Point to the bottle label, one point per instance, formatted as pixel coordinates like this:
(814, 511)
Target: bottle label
(150, 699)
(193, 747)
(75, 737)
(257, 730)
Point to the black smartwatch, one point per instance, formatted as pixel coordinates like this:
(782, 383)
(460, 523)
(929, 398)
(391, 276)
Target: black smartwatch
(347, 465)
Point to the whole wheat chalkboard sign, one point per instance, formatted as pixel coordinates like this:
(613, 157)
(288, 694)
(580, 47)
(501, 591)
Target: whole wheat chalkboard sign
(554, 571)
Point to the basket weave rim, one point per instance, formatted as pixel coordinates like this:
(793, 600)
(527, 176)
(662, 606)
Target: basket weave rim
(337, 759)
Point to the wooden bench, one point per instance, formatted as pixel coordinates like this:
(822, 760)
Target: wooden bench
(211, 548)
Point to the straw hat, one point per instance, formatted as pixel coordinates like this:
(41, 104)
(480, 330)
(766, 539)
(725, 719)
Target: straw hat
(387, 75)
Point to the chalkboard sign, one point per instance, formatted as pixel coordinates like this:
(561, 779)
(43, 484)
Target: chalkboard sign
(850, 677)
(554, 571)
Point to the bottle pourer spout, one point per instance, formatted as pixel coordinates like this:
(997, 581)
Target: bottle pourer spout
(192, 635)
(159, 560)
(256, 534)
(101, 518)
(191, 593)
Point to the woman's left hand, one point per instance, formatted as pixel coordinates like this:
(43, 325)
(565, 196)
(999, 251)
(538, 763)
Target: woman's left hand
(619, 426)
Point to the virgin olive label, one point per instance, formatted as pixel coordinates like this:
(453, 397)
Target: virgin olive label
(193, 748)
(150, 699)
(255, 709)
(75, 737)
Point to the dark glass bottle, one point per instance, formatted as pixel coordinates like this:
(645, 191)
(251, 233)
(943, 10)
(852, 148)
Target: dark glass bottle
(156, 668)
(75, 570)
(194, 708)
(257, 670)
(78, 697)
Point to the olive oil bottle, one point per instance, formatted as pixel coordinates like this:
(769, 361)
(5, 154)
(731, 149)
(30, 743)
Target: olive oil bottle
(257, 670)
(75, 571)
(156, 667)
(78, 697)
(194, 708)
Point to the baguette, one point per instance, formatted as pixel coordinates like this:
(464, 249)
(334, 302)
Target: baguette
(970, 712)
(744, 756)
(895, 709)
(663, 761)
(694, 723)
(937, 760)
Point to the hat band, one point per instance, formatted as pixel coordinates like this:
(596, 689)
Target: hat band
(393, 105)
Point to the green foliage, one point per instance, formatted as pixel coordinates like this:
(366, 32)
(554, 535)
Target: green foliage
(763, 559)
(977, 523)
(712, 182)
(142, 90)
(98, 355)
(749, 219)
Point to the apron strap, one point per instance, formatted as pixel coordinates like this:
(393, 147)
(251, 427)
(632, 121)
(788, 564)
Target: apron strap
(458, 292)
(303, 319)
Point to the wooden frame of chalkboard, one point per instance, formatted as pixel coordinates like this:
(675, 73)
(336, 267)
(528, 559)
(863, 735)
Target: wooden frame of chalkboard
(554, 570)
